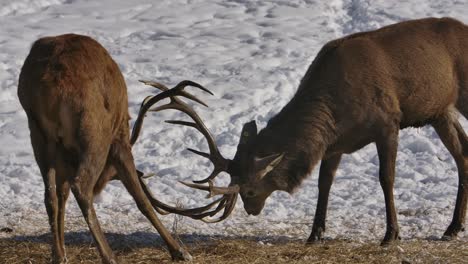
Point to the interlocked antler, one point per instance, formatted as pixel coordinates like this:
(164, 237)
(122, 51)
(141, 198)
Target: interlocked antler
(228, 201)
(167, 93)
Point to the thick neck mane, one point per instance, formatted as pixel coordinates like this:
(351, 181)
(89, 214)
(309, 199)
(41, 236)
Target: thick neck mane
(305, 127)
(302, 130)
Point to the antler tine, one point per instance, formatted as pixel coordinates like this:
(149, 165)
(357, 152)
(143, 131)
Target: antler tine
(184, 123)
(167, 209)
(200, 213)
(229, 196)
(185, 83)
(167, 93)
(213, 190)
(231, 204)
(227, 203)
(180, 86)
(157, 85)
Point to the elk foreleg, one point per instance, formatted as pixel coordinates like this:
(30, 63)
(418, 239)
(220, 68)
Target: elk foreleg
(123, 160)
(454, 138)
(328, 169)
(387, 145)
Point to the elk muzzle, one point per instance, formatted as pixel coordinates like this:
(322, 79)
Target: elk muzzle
(253, 206)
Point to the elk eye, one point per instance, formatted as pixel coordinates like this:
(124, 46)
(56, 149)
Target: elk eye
(250, 194)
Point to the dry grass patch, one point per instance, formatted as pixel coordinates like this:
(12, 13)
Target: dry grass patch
(246, 251)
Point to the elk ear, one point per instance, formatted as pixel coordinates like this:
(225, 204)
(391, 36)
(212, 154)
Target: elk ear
(248, 135)
(264, 165)
(249, 132)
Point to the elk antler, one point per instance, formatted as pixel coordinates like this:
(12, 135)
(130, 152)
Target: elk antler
(167, 93)
(228, 201)
(219, 162)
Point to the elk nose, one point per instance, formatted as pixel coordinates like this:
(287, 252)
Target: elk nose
(253, 213)
(252, 210)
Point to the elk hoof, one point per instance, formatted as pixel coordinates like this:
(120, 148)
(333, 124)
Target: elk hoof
(181, 255)
(452, 232)
(448, 237)
(57, 259)
(109, 261)
(390, 237)
(316, 236)
(61, 261)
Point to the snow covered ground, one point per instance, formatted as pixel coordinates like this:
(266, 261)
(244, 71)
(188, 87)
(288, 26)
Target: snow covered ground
(252, 55)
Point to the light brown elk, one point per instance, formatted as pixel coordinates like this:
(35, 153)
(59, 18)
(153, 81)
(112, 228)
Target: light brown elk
(360, 89)
(75, 99)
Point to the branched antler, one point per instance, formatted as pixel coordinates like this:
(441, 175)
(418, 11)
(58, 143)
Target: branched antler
(230, 193)
(167, 93)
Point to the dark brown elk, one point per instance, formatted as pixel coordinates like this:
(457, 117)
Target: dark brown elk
(75, 99)
(359, 89)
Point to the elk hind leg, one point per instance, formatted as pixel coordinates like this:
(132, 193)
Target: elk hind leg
(123, 162)
(462, 101)
(45, 156)
(85, 202)
(91, 164)
(455, 140)
(63, 191)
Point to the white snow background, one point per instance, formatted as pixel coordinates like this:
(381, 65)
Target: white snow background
(252, 55)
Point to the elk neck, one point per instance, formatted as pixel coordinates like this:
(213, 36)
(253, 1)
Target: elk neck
(302, 130)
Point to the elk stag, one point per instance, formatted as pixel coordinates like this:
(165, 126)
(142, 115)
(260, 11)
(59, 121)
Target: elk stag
(360, 89)
(75, 99)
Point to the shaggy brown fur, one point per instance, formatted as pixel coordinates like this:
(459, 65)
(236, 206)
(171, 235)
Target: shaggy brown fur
(361, 89)
(76, 102)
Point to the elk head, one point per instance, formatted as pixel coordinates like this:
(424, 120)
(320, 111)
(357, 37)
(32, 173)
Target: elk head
(251, 173)
(253, 170)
